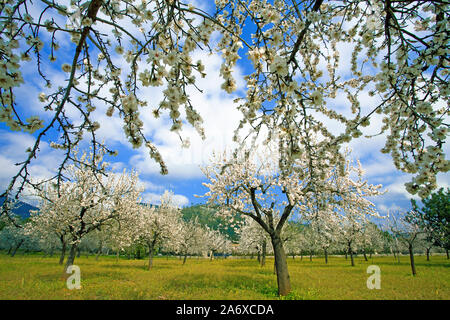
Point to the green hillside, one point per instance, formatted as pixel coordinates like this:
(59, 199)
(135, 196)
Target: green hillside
(207, 215)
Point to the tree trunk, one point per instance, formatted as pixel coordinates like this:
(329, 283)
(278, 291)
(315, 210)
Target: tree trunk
(185, 257)
(97, 256)
(365, 255)
(411, 258)
(350, 251)
(63, 253)
(326, 255)
(151, 246)
(259, 256)
(138, 256)
(283, 280)
(17, 247)
(446, 251)
(428, 254)
(71, 257)
(264, 252)
(99, 251)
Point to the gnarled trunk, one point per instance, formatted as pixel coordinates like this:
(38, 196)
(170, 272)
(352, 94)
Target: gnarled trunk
(283, 280)
(17, 247)
(350, 251)
(63, 253)
(71, 257)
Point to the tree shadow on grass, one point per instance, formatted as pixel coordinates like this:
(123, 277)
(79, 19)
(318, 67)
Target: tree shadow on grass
(431, 264)
(138, 266)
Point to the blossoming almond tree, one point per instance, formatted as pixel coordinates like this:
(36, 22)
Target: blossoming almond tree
(253, 239)
(49, 225)
(11, 238)
(312, 241)
(216, 242)
(355, 208)
(406, 227)
(325, 229)
(158, 226)
(87, 201)
(372, 239)
(258, 186)
(399, 54)
(190, 239)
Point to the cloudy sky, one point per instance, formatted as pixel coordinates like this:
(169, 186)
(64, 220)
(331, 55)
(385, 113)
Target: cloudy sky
(220, 117)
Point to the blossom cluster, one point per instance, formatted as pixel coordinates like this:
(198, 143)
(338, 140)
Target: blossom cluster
(119, 48)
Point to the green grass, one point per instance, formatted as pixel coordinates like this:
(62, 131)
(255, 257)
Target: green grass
(38, 277)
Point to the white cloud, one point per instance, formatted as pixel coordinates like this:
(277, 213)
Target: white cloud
(385, 209)
(14, 145)
(220, 116)
(155, 198)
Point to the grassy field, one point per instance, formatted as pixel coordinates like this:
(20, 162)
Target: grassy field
(38, 277)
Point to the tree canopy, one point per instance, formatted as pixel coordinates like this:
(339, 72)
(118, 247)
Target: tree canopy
(118, 49)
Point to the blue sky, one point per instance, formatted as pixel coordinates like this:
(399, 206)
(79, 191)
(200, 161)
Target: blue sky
(220, 120)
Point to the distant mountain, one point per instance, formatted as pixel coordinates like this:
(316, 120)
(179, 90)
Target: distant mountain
(22, 209)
